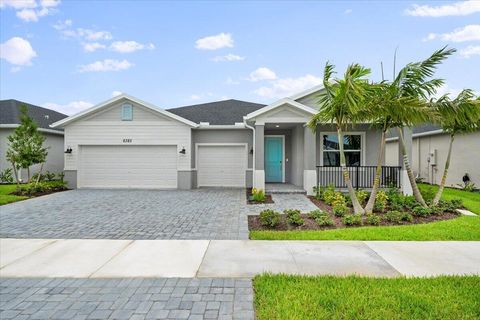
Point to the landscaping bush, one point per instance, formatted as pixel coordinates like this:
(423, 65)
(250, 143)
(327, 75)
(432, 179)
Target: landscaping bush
(394, 216)
(407, 217)
(420, 211)
(6, 176)
(381, 200)
(258, 195)
(352, 220)
(450, 206)
(269, 218)
(329, 194)
(324, 220)
(33, 188)
(314, 214)
(373, 219)
(319, 192)
(293, 217)
(362, 196)
(340, 210)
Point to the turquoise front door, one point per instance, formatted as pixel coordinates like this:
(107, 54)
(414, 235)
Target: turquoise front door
(273, 159)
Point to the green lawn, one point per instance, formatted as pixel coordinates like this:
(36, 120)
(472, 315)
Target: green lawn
(463, 228)
(357, 298)
(471, 200)
(5, 198)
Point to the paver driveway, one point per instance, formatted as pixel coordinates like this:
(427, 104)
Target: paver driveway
(137, 214)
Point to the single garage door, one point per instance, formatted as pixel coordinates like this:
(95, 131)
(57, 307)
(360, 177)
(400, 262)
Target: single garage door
(146, 167)
(221, 165)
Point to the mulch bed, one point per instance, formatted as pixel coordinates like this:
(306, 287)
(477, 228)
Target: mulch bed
(38, 194)
(310, 224)
(268, 198)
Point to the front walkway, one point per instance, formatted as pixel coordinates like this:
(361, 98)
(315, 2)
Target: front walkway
(233, 258)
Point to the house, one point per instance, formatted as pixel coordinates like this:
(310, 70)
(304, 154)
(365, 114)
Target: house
(429, 152)
(128, 143)
(10, 119)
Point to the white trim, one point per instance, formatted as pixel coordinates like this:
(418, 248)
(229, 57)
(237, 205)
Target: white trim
(13, 126)
(307, 92)
(221, 126)
(363, 143)
(419, 135)
(283, 152)
(277, 104)
(150, 106)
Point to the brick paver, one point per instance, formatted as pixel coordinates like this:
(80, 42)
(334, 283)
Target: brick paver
(138, 214)
(134, 298)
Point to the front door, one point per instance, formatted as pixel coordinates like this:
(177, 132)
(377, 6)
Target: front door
(273, 159)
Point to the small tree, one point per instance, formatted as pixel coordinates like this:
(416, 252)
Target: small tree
(25, 146)
(458, 116)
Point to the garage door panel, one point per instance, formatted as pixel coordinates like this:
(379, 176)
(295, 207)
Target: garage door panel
(128, 167)
(221, 166)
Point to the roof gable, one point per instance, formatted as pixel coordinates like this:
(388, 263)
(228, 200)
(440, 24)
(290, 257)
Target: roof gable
(285, 105)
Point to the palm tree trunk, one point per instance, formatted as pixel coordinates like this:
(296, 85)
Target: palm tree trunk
(28, 174)
(15, 172)
(411, 177)
(378, 172)
(445, 173)
(357, 208)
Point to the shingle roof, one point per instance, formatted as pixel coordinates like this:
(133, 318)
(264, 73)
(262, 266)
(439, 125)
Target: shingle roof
(427, 127)
(10, 114)
(217, 113)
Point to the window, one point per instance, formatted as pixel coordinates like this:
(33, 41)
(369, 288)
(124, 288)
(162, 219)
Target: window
(127, 112)
(352, 145)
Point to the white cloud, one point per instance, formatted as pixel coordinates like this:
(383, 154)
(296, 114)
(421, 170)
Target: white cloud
(69, 108)
(228, 57)
(469, 51)
(445, 89)
(218, 41)
(461, 8)
(92, 46)
(230, 81)
(49, 3)
(285, 87)
(29, 10)
(348, 11)
(18, 4)
(262, 73)
(17, 51)
(106, 65)
(468, 33)
(65, 28)
(129, 46)
(116, 93)
(93, 35)
(27, 15)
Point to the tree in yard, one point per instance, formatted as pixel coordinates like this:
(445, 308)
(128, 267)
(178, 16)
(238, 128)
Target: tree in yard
(25, 145)
(340, 103)
(458, 116)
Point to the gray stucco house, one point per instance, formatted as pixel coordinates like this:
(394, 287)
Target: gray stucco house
(10, 119)
(128, 143)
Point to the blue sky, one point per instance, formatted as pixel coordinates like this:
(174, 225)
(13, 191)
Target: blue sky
(69, 55)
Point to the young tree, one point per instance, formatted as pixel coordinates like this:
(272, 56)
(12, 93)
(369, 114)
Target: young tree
(340, 103)
(458, 116)
(25, 145)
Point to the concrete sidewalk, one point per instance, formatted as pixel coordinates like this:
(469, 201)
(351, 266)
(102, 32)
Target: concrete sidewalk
(233, 258)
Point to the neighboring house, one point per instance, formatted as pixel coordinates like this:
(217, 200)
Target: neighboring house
(429, 153)
(128, 143)
(10, 119)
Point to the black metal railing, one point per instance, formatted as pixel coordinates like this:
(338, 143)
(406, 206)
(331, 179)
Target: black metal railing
(362, 176)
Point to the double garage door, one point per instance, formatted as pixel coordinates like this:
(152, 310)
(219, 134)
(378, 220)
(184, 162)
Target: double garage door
(147, 167)
(221, 165)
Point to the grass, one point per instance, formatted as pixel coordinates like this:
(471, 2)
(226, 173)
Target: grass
(471, 200)
(5, 197)
(464, 228)
(328, 297)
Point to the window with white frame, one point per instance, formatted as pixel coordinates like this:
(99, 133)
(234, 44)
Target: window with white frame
(352, 145)
(127, 112)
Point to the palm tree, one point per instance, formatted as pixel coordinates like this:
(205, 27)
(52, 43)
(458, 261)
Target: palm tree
(340, 103)
(415, 81)
(458, 116)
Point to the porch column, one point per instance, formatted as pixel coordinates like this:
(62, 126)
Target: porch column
(309, 160)
(259, 158)
(405, 183)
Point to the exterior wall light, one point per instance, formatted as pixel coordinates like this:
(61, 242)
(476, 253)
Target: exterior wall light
(251, 150)
(69, 150)
(183, 151)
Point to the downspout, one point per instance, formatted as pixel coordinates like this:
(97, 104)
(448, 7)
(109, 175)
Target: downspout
(254, 152)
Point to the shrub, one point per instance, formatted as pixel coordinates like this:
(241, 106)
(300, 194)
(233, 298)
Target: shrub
(340, 210)
(409, 202)
(324, 220)
(393, 193)
(338, 199)
(6, 176)
(30, 189)
(450, 206)
(373, 219)
(381, 200)
(269, 218)
(428, 193)
(49, 176)
(394, 216)
(420, 211)
(61, 176)
(329, 194)
(362, 196)
(319, 192)
(469, 187)
(407, 217)
(314, 214)
(348, 200)
(294, 217)
(258, 195)
(352, 220)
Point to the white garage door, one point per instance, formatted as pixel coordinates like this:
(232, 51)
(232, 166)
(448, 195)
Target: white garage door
(144, 167)
(221, 165)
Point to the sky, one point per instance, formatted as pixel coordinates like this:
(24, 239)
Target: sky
(71, 55)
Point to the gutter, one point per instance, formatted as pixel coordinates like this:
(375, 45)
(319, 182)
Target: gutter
(419, 135)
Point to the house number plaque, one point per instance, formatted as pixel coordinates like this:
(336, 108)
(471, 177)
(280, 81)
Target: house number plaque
(127, 140)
